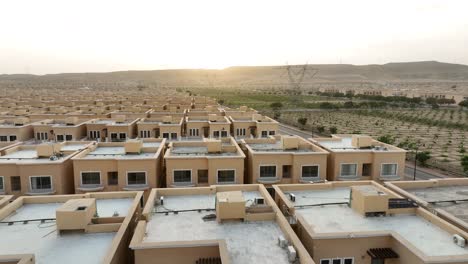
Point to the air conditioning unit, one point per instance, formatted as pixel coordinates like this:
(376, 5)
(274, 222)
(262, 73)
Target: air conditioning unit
(292, 197)
(282, 242)
(259, 200)
(459, 240)
(292, 254)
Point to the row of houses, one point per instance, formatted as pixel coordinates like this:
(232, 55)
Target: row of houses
(340, 222)
(141, 164)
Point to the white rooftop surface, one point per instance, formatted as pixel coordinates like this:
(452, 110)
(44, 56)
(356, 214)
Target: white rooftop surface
(27, 155)
(276, 147)
(151, 144)
(425, 236)
(72, 147)
(49, 247)
(114, 152)
(247, 242)
(197, 151)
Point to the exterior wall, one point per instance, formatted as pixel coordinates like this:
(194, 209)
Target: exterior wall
(22, 133)
(267, 126)
(178, 254)
(150, 166)
(219, 127)
(245, 125)
(200, 125)
(61, 173)
(97, 127)
(129, 129)
(78, 132)
(279, 159)
(204, 163)
(359, 158)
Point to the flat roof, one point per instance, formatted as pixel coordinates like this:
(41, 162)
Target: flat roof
(335, 218)
(247, 242)
(275, 147)
(442, 197)
(197, 151)
(47, 245)
(28, 155)
(114, 152)
(344, 144)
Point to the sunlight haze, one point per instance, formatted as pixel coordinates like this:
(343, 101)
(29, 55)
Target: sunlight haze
(52, 36)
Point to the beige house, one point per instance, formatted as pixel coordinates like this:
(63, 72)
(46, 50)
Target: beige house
(116, 166)
(366, 223)
(284, 159)
(208, 126)
(167, 127)
(68, 129)
(85, 228)
(215, 224)
(112, 130)
(17, 129)
(39, 169)
(248, 124)
(444, 197)
(203, 163)
(359, 157)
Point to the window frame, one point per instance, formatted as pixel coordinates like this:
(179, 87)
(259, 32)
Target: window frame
(173, 176)
(16, 138)
(146, 178)
(348, 176)
(3, 184)
(326, 259)
(392, 175)
(267, 165)
(264, 132)
(92, 184)
(194, 132)
(20, 184)
(41, 176)
(310, 165)
(229, 182)
(68, 136)
(3, 137)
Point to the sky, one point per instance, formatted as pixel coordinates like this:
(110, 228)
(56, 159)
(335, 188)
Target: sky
(54, 36)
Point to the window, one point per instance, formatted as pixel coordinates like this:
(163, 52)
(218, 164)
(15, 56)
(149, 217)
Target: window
(183, 176)
(226, 176)
(215, 134)
(336, 261)
(2, 185)
(271, 133)
(90, 178)
(68, 137)
(59, 137)
(264, 134)
(287, 171)
(112, 178)
(166, 135)
(348, 261)
(42, 136)
(122, 135)
(145, 134)
(173, 135)
(3, 138)
(366, 169)
(325, 261)
(41, 183)
(348, 170)
(134, 178)
(202, 176)
(13, 138)
(224, 133)
(389, 170)
(310, 171)
(240, 131)
(194, 132)
(94, 134)
(15, 182)
(267, 171)
(113, 136)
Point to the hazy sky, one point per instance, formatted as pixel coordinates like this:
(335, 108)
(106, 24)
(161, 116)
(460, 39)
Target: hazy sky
(51, 36)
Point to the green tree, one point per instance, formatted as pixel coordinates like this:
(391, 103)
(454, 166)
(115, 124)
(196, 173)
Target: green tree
(302, 121)
(464, 103)
(333, 130)
(320, 129)
(464, 163)
(276, 105)
(221, 101)
(423, 156)
(348, 104)
(388, 139)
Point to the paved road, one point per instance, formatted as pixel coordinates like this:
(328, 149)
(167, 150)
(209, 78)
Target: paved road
(421, 174)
